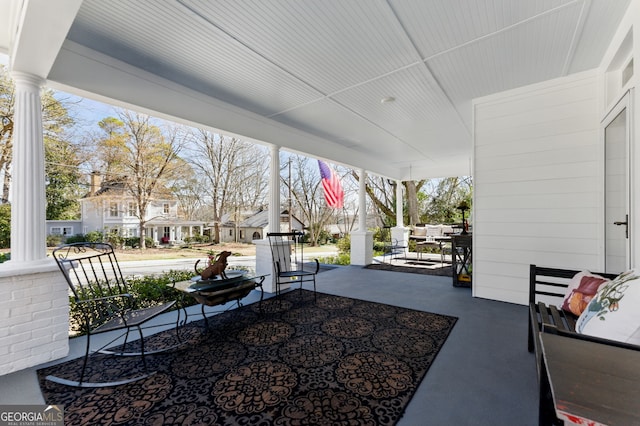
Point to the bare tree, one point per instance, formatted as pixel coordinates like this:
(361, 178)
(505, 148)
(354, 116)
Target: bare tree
(382, 192)
(233, 171)
(143, 157)
(187, 190)
(307, 196)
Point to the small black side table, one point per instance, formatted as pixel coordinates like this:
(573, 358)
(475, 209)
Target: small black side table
(462, 258)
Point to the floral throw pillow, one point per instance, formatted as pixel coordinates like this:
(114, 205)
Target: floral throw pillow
(614, 312)
(582, 287)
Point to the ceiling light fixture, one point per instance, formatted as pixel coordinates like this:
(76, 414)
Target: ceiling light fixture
(387, 100)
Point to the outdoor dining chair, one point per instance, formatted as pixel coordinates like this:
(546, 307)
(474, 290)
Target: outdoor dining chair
(393, 247)
(287, 249)
(106, 304)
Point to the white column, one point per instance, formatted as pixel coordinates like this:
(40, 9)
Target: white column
(399, 232)
(399, 205)
(274, 190)
(361, 240)
(28, 201)
(362, 201)
(264, 258)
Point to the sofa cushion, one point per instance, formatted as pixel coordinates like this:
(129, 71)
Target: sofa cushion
(614, 311)
(433, 231)
(419, 231)
(582, 287)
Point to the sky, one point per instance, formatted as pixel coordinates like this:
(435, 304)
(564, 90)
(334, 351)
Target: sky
(86, 111)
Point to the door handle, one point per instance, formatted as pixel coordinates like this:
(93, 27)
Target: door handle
(626, 225)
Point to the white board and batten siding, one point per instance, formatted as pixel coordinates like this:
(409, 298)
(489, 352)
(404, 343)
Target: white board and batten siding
(537, 184)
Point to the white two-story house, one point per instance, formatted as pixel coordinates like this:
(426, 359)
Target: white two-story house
(109, 207)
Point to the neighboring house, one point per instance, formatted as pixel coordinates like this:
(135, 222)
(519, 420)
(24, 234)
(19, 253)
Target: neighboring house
(64, 228)
(108, 207)
(255, 227)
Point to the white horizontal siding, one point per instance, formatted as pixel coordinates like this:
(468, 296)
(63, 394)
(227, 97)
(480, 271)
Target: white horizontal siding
(537, 184)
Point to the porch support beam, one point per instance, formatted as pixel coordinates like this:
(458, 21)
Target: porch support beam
(399, 232)
(264, 258)
(28, 201)
(361, 240)
(274, 190)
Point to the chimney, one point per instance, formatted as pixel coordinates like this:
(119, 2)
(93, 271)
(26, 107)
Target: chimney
(95, 183)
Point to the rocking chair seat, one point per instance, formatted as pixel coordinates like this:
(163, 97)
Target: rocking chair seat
(133, 318)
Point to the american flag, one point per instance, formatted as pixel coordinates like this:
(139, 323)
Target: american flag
(333, 192)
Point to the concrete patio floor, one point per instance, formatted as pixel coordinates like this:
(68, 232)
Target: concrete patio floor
(482, 376)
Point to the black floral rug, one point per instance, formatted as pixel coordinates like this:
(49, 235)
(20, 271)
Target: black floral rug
(327, 360)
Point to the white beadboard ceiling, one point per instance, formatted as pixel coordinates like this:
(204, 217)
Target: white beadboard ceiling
(309, 75)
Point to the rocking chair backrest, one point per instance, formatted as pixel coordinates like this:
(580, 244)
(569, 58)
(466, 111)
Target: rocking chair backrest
(91, 270)
(286, 249)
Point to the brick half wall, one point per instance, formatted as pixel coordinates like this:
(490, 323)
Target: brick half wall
(34, 316)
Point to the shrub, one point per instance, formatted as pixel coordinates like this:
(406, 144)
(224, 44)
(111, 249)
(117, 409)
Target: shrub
(78, 238)
(54, 240)
(4, 257)
(5, 225)
(197, 239)
(134, 242)
(339, 259)
(147, 290)
(378, 248)
(94, 237)
(115, 239)
(344, 244)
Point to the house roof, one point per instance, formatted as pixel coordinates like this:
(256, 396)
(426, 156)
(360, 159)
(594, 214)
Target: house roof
(110, 187)
(118, 188)
(383, 85)
(260, 220)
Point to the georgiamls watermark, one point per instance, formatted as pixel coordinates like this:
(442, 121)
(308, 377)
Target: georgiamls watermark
(31, 415)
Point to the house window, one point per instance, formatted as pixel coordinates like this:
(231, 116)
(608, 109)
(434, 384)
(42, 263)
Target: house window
(165, 208)
(241, 234)
(133, 209)
(61, 230)
(231, 232)
(113, 210)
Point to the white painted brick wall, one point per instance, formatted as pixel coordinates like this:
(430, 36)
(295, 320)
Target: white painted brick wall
(34, 317)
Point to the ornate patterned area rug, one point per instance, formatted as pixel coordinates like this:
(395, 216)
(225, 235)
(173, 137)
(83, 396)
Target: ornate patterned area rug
(302, 361)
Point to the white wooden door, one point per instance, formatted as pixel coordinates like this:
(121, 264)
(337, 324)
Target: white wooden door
(617, 188)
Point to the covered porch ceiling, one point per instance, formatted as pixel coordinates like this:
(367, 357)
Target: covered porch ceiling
(384, 85)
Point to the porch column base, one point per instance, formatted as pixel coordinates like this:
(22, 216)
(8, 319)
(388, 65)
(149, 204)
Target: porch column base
(400, 234)
(361, 248)
(35, 315)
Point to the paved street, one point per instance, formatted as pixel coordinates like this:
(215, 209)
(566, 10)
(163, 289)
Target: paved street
(149, 267)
